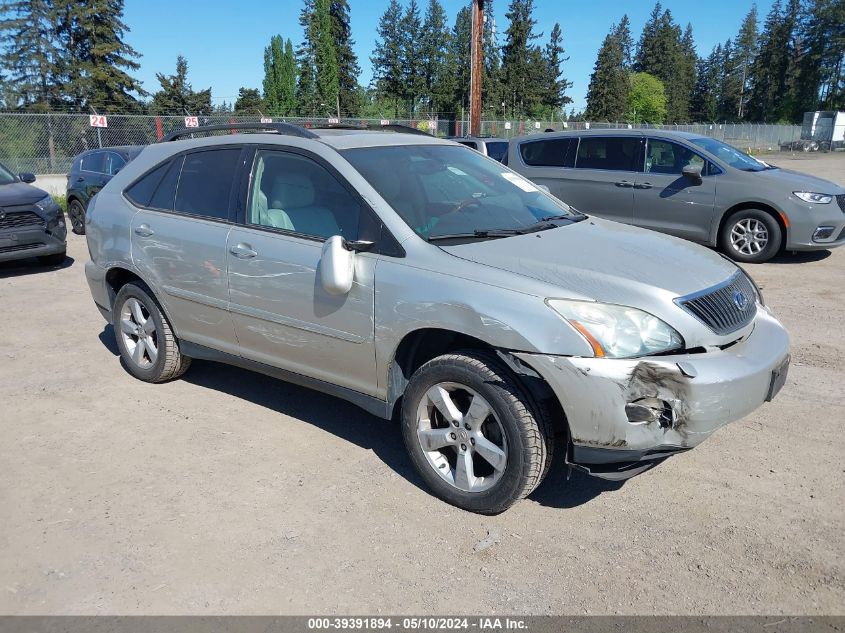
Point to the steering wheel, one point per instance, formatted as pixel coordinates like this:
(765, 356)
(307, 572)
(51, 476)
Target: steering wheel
(461, 206)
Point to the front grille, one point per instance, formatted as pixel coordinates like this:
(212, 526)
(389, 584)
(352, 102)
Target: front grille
(21, 247)
(840, 200)
(720, 307)
(19, 219)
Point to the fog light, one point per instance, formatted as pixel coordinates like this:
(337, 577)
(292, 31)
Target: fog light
(823, 233)
(650, 410)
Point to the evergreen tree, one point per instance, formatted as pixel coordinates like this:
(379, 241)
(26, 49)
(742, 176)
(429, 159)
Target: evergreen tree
(434, 58)
(347, 62)
(306, 84)
(776, 64)
(274, 61)
(249, 102)
(661, 52)
(554, 97)
(607, 95)
(459, 56)
(520, 59)
(823, 63)
(325, 59)
(746, 51)
(388, 77)
(29, 36)
(730, 85)
(286, 94)
(627, 41)
(704, 104)
(177, 96)
(95, 59)
(413, 80)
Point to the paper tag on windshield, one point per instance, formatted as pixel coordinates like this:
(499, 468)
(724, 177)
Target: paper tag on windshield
(456, 171)
(519, 182)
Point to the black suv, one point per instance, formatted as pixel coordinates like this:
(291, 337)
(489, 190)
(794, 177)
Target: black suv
(89, 173)
(31, 223)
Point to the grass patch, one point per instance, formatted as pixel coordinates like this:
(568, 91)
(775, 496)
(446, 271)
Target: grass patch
(62, 202)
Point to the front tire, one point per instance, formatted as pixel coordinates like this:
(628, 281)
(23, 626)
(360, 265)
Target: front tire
(148, 347)
(76, 215)
(473, 433)
(751, 236)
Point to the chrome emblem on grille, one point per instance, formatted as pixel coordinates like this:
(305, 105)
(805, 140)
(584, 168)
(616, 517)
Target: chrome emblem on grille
(740, 300)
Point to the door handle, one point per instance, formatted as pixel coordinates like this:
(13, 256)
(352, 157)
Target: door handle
(143, 230)
(643, 185)
(80, 179)
(624, 183)
(243, 251)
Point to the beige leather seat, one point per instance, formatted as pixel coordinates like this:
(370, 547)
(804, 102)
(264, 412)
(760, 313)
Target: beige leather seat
(293, 194)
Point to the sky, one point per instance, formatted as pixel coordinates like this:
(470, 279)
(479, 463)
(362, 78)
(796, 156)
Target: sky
(224, 42)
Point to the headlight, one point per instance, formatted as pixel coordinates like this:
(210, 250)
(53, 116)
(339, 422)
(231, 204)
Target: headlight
(817, 198)
(46, 203)
(618, 331)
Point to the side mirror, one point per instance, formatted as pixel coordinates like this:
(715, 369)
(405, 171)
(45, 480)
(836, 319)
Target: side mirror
(337, 266)
(26, 177)
(693, 172)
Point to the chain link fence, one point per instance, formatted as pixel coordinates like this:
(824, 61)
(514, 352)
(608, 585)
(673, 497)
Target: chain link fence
(47, 143)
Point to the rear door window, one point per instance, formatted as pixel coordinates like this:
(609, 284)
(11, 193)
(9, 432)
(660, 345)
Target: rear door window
(93, 162)
(497, 150)
(471, 144)
(554, 152)
(165, 193)
(205, 183)
(616, 153)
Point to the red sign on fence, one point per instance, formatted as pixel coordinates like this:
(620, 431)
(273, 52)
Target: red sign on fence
(98, 120)
(192, 121)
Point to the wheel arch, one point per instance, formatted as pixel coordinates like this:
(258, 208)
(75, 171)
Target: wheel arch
(759, 206)
(118, 276)
(419, 346)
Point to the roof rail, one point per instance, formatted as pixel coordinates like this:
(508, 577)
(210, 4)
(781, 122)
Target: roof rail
(391, 127)
(278, 128)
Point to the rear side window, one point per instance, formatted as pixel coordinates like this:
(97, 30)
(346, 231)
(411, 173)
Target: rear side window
(165, 193)
(113, 163)
(556, 152)
(471, 144)
(141, 193)
(613, 153)
(93, 162)
(497, 150)
(205, 183)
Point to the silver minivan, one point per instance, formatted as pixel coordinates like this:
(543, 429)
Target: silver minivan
(429, 284)
(687, 185)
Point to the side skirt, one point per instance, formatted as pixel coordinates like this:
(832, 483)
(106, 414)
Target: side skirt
(370, 404)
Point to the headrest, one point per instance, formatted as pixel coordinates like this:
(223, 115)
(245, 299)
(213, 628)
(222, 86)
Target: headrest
(291, 191)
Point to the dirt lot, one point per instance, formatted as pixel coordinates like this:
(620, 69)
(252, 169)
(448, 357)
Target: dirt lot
(228, 492)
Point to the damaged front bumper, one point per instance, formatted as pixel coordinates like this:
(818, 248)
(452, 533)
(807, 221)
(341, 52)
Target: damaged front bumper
(627, 415)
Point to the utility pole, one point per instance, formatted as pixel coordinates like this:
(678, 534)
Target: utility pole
(476, 67)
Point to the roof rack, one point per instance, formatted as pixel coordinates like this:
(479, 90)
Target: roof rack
(391, 127)
(277, 128)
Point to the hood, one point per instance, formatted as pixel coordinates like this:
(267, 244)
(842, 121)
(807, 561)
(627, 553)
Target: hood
(19, 193)
(796, 181)
(603, 260)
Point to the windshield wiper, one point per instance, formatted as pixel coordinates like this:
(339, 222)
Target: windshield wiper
(478, 234)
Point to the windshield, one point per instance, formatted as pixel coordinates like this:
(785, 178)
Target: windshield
(444, 190)
(731, 155)
(6, 177)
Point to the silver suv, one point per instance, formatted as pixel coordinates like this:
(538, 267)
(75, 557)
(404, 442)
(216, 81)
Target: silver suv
(687, 185)
(422, 281)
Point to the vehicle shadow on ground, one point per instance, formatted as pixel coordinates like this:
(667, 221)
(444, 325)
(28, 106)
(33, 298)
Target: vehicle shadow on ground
(352, 424)
(800, 257)
(31, 266)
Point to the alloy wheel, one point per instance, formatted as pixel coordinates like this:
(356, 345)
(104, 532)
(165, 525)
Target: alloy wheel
(749, 236)
(138, 330)
(461, 437)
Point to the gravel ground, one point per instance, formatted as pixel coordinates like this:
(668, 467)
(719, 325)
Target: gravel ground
(228, 492)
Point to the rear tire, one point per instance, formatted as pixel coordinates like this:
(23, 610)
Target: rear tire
(751, 236)
(76, 215)
(148, 347)
(491, 448)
